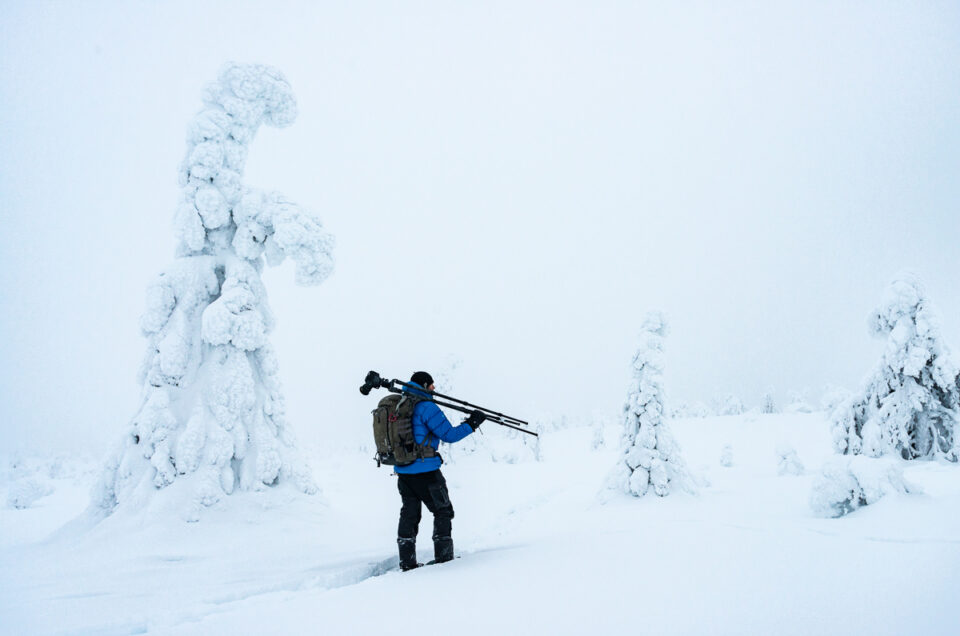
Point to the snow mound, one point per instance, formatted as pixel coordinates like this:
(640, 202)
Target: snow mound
(847, 483)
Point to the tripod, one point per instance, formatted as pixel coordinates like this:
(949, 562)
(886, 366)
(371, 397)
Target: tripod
(374, 381)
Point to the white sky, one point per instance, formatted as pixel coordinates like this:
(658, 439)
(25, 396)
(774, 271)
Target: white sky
(511, 183)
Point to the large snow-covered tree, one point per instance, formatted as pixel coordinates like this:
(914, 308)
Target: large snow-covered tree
(908, 404)
(651, 457)
(211, 418)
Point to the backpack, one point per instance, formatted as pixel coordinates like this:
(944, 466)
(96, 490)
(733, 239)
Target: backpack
(393, 432)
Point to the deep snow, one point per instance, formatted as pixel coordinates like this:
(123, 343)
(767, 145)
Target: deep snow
(544, 548)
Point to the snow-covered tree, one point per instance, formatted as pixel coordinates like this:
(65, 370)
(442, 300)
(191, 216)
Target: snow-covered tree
(679, 410)
(533, 443)
(597, 441)
(767, 403)
(445, 378)
(211, 418)
(908, 404)
(729, 404)
(445, 381)
(797, 403)
(651, 457)
(788, 462)
(699, 409)
(726, 456)
(23, 494)
(832, 397)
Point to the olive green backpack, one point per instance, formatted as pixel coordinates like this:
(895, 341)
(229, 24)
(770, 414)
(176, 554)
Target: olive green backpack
(393, 432)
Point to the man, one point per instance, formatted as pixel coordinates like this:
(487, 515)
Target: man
(422, 482)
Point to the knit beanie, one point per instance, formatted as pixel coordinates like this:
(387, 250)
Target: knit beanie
(421, 378)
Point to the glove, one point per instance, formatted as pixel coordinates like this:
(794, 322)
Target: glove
(476, 419)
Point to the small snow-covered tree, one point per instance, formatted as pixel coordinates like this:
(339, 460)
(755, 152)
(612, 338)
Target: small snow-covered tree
(726, 456)
(788, 462)
(651, 457)
(833, 396)
(680, 410)
(768, 405)
(797, 403)
(445, 381)
(597, 441)
(699, 409)
(23, 494)
(909, 403)
(729, 404)
(211, 418)
(445, 378)
(533, 443)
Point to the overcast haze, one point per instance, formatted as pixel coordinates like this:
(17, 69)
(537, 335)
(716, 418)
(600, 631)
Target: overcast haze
(514, 184)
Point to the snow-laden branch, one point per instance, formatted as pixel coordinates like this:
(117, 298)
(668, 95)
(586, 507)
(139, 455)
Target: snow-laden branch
(217, 212)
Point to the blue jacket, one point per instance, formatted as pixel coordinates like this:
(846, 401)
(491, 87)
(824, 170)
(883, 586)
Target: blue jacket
(429, 422)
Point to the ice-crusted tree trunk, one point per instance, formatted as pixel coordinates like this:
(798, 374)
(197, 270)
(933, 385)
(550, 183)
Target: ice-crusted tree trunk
(908, 404)
(651, 457)
(211, 419)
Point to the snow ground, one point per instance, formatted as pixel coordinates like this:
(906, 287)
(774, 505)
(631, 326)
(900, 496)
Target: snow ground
(543, 551)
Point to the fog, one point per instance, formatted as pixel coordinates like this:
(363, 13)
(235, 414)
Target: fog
(511, 185)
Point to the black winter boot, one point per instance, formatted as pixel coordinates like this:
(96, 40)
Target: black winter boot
(442, 549)
(408, 553)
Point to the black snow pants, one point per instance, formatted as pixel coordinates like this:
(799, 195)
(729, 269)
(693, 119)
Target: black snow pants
(429, 489)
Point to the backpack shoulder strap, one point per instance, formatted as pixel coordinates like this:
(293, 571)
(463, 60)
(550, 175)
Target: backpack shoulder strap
(426, 437)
